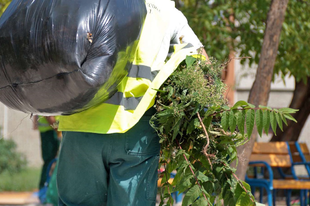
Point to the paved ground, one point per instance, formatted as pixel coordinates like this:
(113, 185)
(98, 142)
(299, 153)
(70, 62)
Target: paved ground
(26, 199)
(30, 199)
(18, 198)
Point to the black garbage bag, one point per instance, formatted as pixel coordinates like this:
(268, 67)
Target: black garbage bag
(64, 56)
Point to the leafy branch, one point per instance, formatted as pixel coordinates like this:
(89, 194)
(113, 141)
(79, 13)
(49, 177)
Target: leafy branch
(245, 113)
(199, 135)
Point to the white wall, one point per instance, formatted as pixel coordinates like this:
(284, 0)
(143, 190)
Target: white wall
(19, 128)
(280, 96)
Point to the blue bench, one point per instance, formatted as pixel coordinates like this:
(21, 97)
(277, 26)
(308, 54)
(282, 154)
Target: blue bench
(264, 158)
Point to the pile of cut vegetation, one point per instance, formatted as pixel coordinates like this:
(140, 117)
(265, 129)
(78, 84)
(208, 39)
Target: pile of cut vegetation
(199, 134)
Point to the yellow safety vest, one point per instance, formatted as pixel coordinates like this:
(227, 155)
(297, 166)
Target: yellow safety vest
(43, 125)
(136, 93)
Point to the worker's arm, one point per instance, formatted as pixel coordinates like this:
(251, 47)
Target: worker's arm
(183, 33)
(35, 122)
(202, 51)
(52, 121)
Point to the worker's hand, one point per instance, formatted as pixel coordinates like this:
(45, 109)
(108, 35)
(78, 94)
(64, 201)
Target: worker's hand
(52, 122)
(203, 52)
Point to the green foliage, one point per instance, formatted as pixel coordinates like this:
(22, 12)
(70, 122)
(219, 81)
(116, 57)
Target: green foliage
(211, 21)
(208, 25)
(11, 160)
(294, 52)
(26, 180)
(262, 116)
(190, 100)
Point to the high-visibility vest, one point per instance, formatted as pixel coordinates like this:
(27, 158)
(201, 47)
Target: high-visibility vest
(136, 92)
(43, 124)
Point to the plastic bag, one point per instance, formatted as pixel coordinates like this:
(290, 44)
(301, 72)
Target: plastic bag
(61, 57)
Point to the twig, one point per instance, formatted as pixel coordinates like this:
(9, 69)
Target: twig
(205, 148)
(239, 181)
(193, 172)
(234, 58)
(240, 109)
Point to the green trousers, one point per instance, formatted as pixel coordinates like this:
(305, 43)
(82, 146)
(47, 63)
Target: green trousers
(109, 169)
(49, 149)
(52, 193)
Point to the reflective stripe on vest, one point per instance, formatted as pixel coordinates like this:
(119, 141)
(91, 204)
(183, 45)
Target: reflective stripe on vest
(43, 125)
(137, 91)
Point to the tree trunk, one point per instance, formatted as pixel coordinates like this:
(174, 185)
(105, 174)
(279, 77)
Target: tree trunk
(300, 100)
(259, 93)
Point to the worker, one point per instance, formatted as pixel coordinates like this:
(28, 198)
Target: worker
(49, 142)
(110, 153)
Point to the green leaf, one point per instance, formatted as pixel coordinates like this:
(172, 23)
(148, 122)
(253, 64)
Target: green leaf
(190, 127)
(240, 121)
(171, 91)
(290, 117)
(266, 121)
(191, 195)
(244, 199)
(249, 121)
(201, 201)
(209, 112)
(207, 121)
(232, 121)
(288, 110)
(202, 177)
(226, 190)
(190, 61)
(273, 122)
(279, 120)
(246, 185)
(259, 121)
(238, 191)
(225, 120)
(184, 183)
(208, 186)
(283, 119)
(251, 105)
(176, 129)
(239, 104)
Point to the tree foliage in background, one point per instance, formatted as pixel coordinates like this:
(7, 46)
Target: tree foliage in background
(240, 25)
(295, 52)
(10, 159)
(212, 22)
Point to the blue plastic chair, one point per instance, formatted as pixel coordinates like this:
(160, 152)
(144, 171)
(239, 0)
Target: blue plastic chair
(262, 183)
(266, 184)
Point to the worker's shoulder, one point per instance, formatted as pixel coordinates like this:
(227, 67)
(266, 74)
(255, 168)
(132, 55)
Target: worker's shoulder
(164, 8)
(159, 5)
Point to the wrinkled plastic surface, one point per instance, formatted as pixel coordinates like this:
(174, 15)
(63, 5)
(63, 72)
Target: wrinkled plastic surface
(64, 56)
